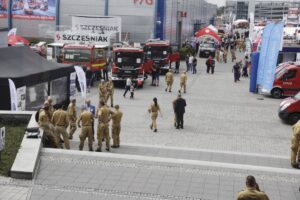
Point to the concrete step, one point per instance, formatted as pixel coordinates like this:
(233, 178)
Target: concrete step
(227, 157)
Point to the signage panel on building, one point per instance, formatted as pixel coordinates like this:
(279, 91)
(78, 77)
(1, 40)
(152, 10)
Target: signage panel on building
(3, 8)
(293, 13)
(34, 9)
(90, 30)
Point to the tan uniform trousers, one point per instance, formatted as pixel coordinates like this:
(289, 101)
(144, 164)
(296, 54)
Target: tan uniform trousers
(61, 130)
(103, 97)
(49, 131)
(103, 132)
(218, 55)
(295, 148)
(111, 97)
(225, 58)
(183, 85)
(72, 128)
(233, 56)
(153, 118)
(169, 85)
(116, 129)
(86, 132)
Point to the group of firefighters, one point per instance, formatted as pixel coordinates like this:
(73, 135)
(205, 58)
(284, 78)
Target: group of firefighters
(55, 122)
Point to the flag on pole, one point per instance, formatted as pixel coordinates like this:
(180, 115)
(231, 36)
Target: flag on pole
(13, 96)
(82, 80)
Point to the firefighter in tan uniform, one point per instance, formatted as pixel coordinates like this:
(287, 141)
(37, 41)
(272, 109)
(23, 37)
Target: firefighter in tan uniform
(102, 91)
(183, 80)
(116, 126)
(51, 108)
(153, 110)
(295, 146)
(86, 118)
(104, 116)
(45, 124)
(110, 92)
(72, 115)
(169, 80)
(252, 191)
(61, 122)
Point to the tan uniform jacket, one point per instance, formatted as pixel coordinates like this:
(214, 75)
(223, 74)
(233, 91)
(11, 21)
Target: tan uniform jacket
(102, 89)
(296, 129)
(154, 109)
(104, 115)
(110, 87)
(116, 118)
(60, 118)
(72, 112)
(44, 117)
(169, 77)
(252, 193)
(183, 78)
(86, 118)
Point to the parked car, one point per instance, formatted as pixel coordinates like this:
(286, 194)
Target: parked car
(206, 49)
(289, 109)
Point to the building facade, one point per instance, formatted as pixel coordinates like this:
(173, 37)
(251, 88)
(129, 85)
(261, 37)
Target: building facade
(264, 9)
(174, 20)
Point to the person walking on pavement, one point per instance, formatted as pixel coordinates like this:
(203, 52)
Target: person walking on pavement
(183, 80)
(104, 117)
(180, 105)
(110, 92)
(132, 91)
(61, 122)
(127, 86)
(45, 124)
(86, 118)
(153, 110)
(210, 65)
(191, 58)
(236, 72)
(295, 146)
(194, 70)
(72, 116)
(169, 80)
(187, 62)
(102, 91)
(116, 126)
(89, 78)
(252, 191)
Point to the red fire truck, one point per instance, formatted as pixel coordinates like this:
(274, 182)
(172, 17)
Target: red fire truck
(160, 52)
(128, 62)
(93, 56)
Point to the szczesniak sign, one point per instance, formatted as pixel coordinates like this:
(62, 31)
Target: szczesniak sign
(90, 30)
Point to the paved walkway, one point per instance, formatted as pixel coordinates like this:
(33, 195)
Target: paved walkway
(86, 175)
(228, 135)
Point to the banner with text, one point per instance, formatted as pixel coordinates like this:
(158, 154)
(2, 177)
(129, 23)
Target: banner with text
(34, 10)
(3, 8)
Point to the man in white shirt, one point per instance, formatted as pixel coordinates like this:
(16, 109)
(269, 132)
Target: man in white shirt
(191, 58)
(127, 87)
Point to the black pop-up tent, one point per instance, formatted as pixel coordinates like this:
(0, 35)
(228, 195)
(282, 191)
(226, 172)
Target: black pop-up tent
(35, 78)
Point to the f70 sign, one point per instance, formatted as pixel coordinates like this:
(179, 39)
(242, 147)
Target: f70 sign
(142, 2)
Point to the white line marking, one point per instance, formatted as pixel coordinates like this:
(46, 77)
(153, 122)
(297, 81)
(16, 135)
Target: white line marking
(175, 161)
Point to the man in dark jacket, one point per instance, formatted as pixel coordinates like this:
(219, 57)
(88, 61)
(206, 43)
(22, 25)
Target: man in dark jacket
(179, 108)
